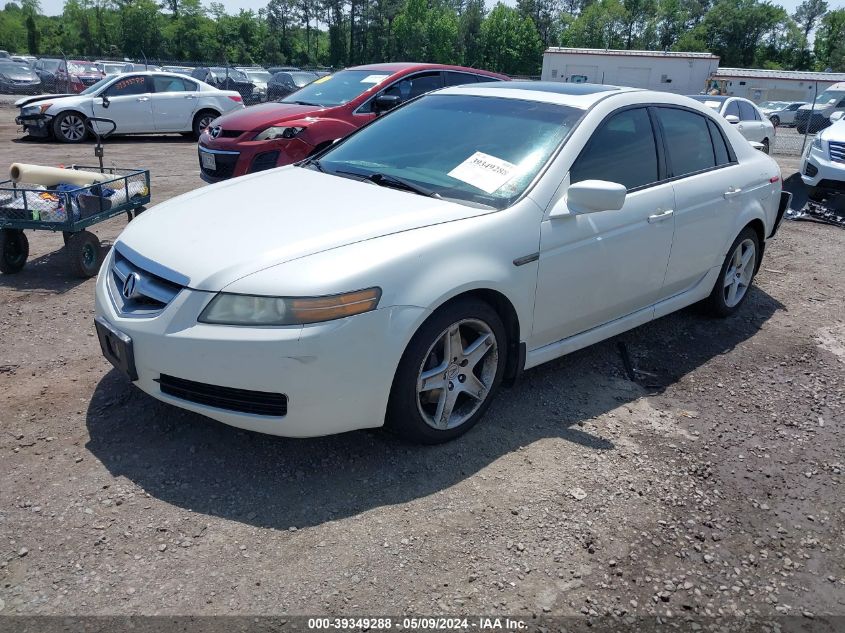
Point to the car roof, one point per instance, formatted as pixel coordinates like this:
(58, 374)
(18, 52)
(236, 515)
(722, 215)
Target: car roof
(577, 95)
(395, 67)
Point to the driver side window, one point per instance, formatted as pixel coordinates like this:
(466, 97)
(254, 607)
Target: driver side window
(134, 85)
(409, 87)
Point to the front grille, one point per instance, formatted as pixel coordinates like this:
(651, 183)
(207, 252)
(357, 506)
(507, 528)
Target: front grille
(229, 398)
(151, 295)
(810, 170)
(265, 160)
(230, 133)
(89, 81)
(225, 166)
(837, 151)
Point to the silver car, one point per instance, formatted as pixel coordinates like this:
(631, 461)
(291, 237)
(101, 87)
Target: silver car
(781, 112)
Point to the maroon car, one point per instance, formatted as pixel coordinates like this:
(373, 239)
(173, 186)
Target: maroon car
(77, 75)
(304, 122)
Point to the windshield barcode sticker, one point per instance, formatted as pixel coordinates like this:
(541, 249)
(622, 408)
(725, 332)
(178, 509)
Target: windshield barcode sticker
(484, 172)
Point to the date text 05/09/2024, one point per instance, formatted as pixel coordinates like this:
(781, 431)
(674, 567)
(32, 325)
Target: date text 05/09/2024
(375, 624)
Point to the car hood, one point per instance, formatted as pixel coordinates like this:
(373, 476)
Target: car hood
(48, 97)
(221, 233)
(261, 116)
(834, 132)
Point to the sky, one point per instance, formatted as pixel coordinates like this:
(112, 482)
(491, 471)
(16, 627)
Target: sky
(54, 7)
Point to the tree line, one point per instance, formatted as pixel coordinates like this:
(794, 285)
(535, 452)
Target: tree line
(337, 33)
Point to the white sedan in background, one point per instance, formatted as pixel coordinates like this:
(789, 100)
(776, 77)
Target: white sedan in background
(139, 103)
(747, 117)
(410, 269)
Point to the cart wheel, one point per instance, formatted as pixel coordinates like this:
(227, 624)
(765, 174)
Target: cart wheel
(14, 249)
(66, 235)
(85, 253)
(134, 213)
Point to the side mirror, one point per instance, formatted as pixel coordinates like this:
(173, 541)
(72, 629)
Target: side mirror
(106, 101)
(837, 116)
(757, 146)
(591, 196)
(383, 103)
(732, 118)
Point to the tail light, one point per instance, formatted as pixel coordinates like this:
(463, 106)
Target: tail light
(238, 98)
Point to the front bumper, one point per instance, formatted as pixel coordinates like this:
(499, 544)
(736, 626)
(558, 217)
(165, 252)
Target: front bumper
(237, 157)
(336, 376)
(818, 170)
(35, 124)
(21, 88)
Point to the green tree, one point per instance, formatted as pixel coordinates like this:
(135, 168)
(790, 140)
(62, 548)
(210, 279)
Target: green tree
(511, 42)
(735, 29)
(427, 33)
(830, 42)
(807, 16)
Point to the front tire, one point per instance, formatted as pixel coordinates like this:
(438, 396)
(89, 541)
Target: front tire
(448, 374)
(766, 147)
(815, 194)
(775, 120)
(69, 127)
(736, 275)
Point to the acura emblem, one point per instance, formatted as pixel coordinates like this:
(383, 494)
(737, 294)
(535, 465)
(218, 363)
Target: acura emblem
(130, 286)
(215, 131)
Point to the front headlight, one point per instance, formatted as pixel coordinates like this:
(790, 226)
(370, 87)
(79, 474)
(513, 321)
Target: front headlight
(275, 132)
(817, 143)
(234, 309)
(36, 109)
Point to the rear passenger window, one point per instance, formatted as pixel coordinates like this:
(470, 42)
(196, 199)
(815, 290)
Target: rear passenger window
(733, 108)
(456, 79)
(723, 157)
(688, 143)
(622, 150)
(173, 84)
(747, 111)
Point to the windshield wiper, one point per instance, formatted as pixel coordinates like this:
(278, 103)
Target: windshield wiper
(383, 180)
(313, 161)
(303, 103)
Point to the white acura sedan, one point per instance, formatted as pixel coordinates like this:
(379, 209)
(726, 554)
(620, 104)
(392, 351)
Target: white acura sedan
(409, 270)
(138, 103)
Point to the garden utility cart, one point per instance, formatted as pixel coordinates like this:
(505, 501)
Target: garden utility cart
(70, 209)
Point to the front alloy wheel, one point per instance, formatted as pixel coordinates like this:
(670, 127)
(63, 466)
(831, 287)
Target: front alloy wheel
(449, 373)
(69, 127)
(457, 374)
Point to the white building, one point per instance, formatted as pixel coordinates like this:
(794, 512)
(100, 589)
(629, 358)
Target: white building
(681, 73)
(771, 85)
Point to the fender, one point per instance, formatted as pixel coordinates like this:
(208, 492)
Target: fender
(321, 130)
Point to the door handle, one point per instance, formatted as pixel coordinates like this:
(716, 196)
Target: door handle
(142, 99)
(664, 214)
(190, 97)
(733, 191)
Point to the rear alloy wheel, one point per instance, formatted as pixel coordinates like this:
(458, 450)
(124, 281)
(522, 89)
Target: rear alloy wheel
(14, 250)
(449, 373)
(202, 121)
(737, 273)
(69, 127)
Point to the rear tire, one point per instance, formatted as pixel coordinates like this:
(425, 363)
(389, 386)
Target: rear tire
(14, 250)
(70, 127)
(85, 253)
(202, 120)
(448, 374)
(736, 276)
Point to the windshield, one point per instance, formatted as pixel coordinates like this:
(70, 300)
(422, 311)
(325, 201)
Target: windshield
(50, 64)
(259, 75)
(83, 68)
(302, 79)
(711, 102)
(14, 68)
(474, 150)
(337, 89)
(112, 69)
(95, 87)
(772, 105)
(829, 96)
(233, 74)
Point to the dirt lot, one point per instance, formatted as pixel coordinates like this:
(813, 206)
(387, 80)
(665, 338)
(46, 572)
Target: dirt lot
(712, 485)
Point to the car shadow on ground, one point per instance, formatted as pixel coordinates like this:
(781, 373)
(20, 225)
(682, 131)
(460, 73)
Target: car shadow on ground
(198, 464)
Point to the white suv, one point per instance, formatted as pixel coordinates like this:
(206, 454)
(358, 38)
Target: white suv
(823, 168)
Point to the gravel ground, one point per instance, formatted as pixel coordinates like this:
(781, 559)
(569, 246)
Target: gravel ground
(710, 485)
